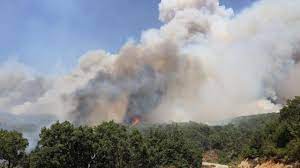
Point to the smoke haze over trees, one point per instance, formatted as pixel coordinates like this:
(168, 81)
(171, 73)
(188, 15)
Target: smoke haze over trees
(203, 53)
(267, 136)
(206, 63)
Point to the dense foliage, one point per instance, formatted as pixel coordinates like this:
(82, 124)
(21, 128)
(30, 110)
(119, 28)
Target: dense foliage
(280, 138)
(267, 136)
(112, 145)
(12, 148)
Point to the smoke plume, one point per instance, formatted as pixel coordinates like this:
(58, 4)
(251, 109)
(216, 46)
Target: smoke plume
(204, 64)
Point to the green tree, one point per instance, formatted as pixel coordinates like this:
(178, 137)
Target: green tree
(290, 123)
(12, 147)
(111, 146)
(290, 115)
(280, 137)
(139, 154)
(168, 147)
(63, 145)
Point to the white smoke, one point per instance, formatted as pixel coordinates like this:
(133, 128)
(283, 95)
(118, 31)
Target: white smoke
(204, 64)
(18, 85)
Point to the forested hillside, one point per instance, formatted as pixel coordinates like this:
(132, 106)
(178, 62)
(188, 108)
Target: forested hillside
(267, 137)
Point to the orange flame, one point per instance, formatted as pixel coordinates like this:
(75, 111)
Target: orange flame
(135, 120)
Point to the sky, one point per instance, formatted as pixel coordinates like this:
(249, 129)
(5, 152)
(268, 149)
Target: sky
(50, 35)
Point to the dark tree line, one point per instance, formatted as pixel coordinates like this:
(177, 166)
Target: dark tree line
(268, 136)
(63, 145)
(280, 137)
(108, 145)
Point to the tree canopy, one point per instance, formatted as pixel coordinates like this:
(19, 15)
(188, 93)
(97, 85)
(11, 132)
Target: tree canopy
(63, 145)
(113, 145)
(12, 147)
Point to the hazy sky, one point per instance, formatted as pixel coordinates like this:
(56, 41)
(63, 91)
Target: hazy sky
(50, 35)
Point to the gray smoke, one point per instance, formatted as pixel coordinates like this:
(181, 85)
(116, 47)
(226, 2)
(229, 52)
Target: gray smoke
(204, 64)
(18, 85)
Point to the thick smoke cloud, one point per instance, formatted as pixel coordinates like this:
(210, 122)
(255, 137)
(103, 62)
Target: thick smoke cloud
(204, 64)
(18, 85)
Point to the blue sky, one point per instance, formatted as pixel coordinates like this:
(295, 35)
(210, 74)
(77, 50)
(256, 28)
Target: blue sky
(51, 34)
